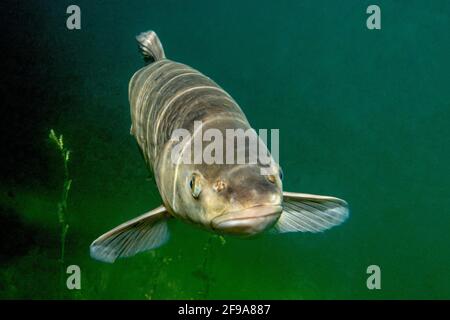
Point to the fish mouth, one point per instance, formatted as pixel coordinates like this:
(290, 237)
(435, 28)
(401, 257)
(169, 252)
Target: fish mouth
(249, 221)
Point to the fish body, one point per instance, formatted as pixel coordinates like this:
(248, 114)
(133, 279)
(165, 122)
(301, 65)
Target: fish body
(227, 198)
(168, 95)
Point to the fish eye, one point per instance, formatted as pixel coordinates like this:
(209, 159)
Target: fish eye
(195, 187)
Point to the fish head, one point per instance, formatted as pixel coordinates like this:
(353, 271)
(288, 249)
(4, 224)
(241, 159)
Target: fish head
(234, 199)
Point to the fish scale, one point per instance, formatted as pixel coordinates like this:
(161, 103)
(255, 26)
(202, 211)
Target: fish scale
(166, 95)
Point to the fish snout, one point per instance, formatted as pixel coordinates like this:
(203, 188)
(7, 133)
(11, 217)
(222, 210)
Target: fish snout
(248, 221)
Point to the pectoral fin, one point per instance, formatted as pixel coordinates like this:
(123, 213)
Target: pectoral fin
(310, 213)
(145, 232)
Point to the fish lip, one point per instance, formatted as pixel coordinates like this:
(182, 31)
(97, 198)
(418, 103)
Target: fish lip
(251, 213)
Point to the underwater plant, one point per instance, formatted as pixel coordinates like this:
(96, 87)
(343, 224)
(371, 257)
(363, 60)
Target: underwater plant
(160, 263)
(202, 272)
(62, 204)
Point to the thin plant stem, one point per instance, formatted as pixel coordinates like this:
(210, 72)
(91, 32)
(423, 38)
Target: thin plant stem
(62, 204)
(204, 274)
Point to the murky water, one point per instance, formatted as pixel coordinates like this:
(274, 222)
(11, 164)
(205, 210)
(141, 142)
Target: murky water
(363, 115)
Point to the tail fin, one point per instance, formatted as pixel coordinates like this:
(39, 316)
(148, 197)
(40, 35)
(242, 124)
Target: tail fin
(150, 46)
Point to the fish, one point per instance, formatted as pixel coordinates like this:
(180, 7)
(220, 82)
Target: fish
(231, 199)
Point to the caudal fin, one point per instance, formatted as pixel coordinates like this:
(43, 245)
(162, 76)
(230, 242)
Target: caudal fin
(150, 46)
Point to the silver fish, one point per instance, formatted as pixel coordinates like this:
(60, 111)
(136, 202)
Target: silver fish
(224, 198)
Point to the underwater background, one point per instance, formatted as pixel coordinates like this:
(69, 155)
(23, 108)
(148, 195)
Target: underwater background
(363, 115)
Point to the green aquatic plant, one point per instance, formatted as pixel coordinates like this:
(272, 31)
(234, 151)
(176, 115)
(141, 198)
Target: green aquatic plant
(159, 263)
(203, 272)
(62, 204)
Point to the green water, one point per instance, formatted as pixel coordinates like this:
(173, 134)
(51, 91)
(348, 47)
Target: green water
(363, 115)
